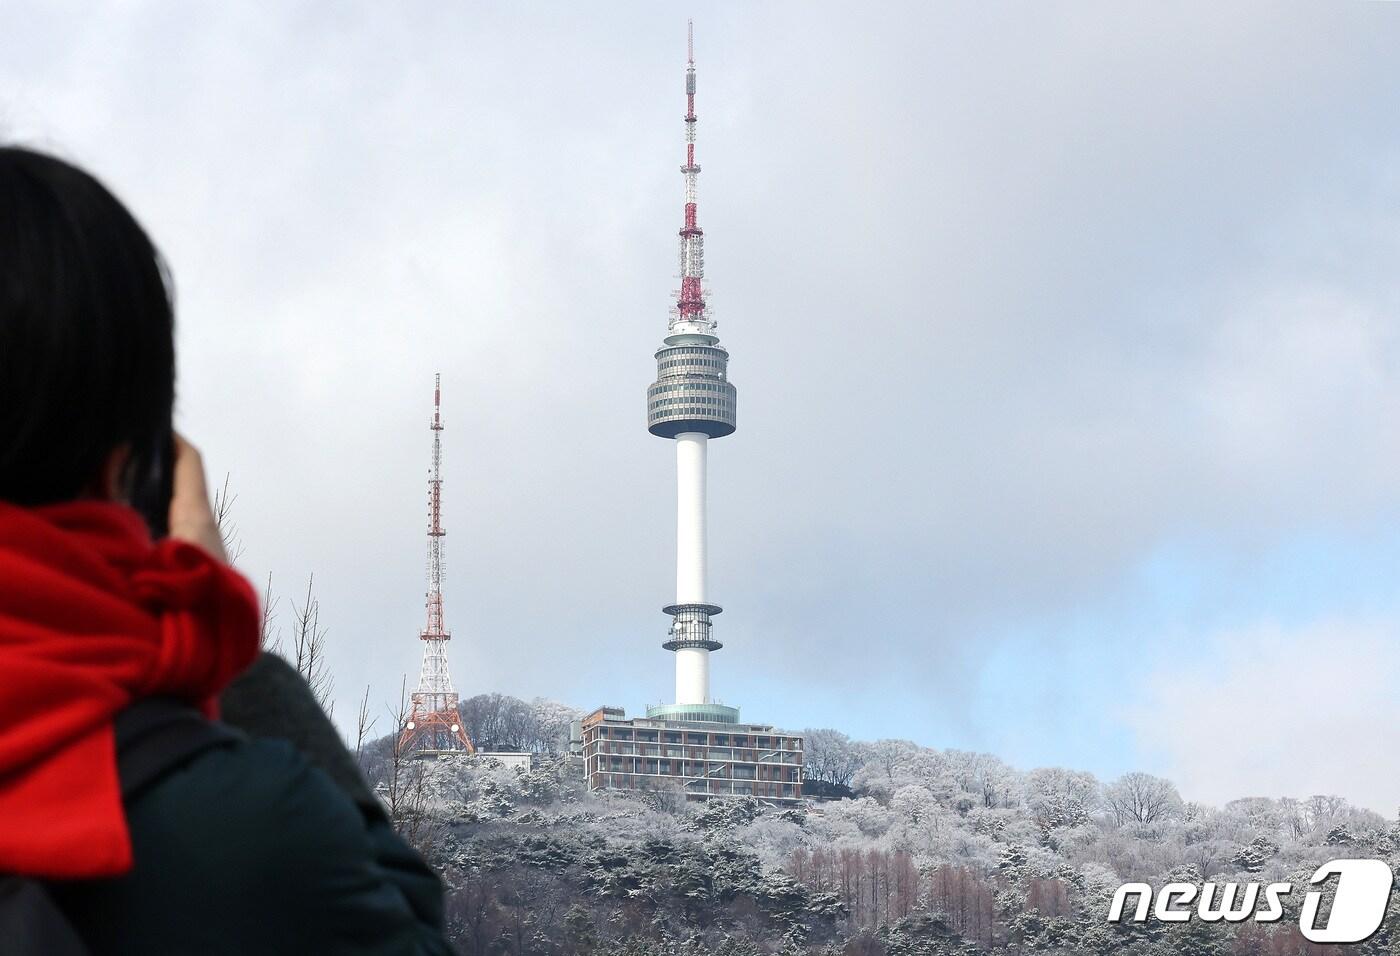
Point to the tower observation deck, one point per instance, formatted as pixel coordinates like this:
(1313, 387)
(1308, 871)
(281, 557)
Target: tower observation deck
(691, 402)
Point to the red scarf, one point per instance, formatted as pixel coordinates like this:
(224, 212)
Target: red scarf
(93, 616)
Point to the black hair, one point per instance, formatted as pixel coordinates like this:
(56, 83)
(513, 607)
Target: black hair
(87, 352)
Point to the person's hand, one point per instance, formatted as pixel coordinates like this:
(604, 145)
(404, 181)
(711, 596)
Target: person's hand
(191, 515)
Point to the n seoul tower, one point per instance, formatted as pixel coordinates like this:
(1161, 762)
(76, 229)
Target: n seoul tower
(707, 752)
(691, 402)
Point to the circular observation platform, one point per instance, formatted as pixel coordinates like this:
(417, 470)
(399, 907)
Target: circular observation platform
(692, 391)
(707, 713)
(690, 626)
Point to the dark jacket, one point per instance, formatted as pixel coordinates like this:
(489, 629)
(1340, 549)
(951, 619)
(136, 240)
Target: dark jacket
(249, 848)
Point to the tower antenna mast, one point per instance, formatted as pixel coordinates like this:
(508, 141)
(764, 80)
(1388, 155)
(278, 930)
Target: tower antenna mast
(434, 724)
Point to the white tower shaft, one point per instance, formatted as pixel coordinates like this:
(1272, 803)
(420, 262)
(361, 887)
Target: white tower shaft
(692, 663)
(691, 557)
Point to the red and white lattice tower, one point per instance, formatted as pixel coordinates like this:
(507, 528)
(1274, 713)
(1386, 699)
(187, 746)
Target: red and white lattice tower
(433, 721)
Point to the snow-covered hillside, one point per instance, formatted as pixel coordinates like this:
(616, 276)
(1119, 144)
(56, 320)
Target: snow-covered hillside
(933, 852)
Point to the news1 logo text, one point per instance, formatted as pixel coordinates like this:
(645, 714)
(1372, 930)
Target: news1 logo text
(1358, 906)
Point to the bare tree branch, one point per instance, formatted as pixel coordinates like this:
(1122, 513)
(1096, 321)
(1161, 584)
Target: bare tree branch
(309, 646)
(269, 614)
(406, 789)
(228, 530)
(364, 724)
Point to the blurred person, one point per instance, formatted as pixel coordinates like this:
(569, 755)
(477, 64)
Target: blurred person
(131, 819)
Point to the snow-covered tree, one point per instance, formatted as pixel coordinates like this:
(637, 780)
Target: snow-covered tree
(1142, 798)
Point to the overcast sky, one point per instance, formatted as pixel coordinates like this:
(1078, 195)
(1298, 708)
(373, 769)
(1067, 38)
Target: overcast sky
(1065, 337)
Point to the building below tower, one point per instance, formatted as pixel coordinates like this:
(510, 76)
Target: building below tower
(700, 750)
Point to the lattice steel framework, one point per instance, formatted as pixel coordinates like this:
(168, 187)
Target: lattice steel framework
(434, 723)
(691, 311)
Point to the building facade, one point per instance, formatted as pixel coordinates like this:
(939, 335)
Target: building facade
(700, 758)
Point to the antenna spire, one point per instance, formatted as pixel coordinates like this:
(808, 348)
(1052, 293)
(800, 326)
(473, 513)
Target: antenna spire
(691, 313)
